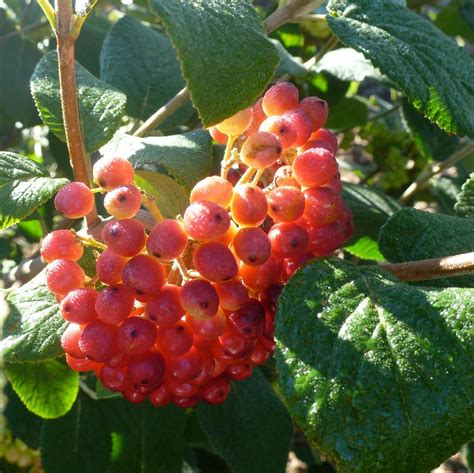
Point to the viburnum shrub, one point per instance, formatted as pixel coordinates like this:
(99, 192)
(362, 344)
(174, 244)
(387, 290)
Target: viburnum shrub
(236, 236)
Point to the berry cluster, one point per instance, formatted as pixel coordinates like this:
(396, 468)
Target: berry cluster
(176, 313)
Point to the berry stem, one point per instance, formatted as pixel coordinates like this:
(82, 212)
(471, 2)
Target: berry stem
(80, 160)
(89, 241)
(435, 268)
(179, 262)
(258, 176)
(226, 160)
(246, 176)
(150, 204)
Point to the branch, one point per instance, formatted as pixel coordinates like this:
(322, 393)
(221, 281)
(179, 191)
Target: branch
(289, 10)
(432, 268)
(80, 161)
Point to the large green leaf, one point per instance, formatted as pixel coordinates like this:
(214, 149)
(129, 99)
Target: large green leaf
(23, 188)
(101, 106)
(186, 157)
(251, 430)
(370, 207)
(347, 113)
(18, 58)
(226, 58)
(451, 19)
(141, 62)
(78, 441)
(426, 65)
(47, 388)
(412, 235)
(465, 201)
(362, 372)
(33, 327)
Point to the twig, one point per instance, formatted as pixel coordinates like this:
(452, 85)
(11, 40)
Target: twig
(289, 11)
(226, 160)
(49, 12)
(434, 169)
(80, 161)
(88, 390)
(25, 30)
(330, 44)
(432, 268)
(150, 204)
(179, 262)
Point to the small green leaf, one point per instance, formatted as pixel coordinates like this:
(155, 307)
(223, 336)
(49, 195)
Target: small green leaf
(33, 327)
(187, 157)
(171, 198)
(412, 235)
(48, 388)
(251, 430)
(101, 106)
(370, 207)
(233, 61)
(365, 248)
(362, 372)
(141, 62)
(85, 445)
(23, 188)
(427, 66)
(347, 113)
(464, 206)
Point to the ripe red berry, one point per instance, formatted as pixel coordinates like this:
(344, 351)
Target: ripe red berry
(324, 240)
(316, 109)
(82, 364)
(249, 205)
(285, 204)
(187, 367)
(133, 396)
(165, 308)
(302, 125)
(180, 389)
(209, 328)
(239, 371)
(260, 277)
(115, 379)
(261, 150)
(214, 261)
(75, 200)
(110, 172)
(174, 341)
(124, 237)
(215, 391)
(61, 244)
(279, 98)
(199, 298)
(184, 402)
(167, 240)
(326, 136)
(64, 275)
(258, 115)
(283, 128)
(146, 372)
(232, 346)
(145, 276)
(99, 341)
(115, 303)
(249, 321)
(315, 167)
(160, 397)
(136, 336)
(206, 220)
(212, 189)
(236, 124)
(232, 294)
(290, 265)
(259, 355)
(79, 305)
(70, 341)
(252, 246)
(109, 267)
(288, 240)
(322, 205)
(123, 202)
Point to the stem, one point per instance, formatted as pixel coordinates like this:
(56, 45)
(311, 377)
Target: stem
(226, 163)
(164, 112)
(80, 161)
(434, 169)
(150, 204)
(87, 390)
(246, 176)
(432, 268)
(257, 176)
(182, 268)
(289, 11)
(49, 12)
(89, 241)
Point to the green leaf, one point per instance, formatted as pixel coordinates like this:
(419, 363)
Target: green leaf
(141, 62)
(431, 141)
(186, 157)
(464, 206)
(347, 113)
(348, 65)
(427, 66)
(371, 208)
(101, 106)
(251, 430)
(365, 248)
(78, 441)
(362, 372)
(23, 188)
(18, 58)
(288, 64)
(171, 198)
(412, 235)
(446, 190)
(48, 388)
(233, 61)
(33, 327)
(451, 20)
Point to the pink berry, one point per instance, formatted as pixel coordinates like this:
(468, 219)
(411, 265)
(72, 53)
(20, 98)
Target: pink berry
(64, 275)
(145, 276)
(236, 124)
(302, 125)
(285, 204)
(123, 202)
(124, 237)
(249, 205)
(327, 136)
(146, 372)
(113, 172)
(165, 308)
(167, 240)
(99, 341)
(70, 341)
(79, 305)
(261, 150)
(215, 262)
(212, 189)
(136, 336)
(114, 304)
(61, 244)
(199, 298)
(109, 267)
(206, 220)
(324, 240)
(75, 200)
(283, 127)
(174, 341)
(258, 115)
(232, 294)
(316, 109)
(322, 205)
(288, 240)
(315, 167)
(252, 246)
(279, 98)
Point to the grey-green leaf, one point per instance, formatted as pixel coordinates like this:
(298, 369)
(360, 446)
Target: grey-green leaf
(48, 388)
(186, 157)
(24, 187)
(362, 372)
(33, 326)
(464, 206)
(421, 61)
(101, 106)
(251, 430)
(231, 63)
(141, 62)
(289, 64)
(412, 235)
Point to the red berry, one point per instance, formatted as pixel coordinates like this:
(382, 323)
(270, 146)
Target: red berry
(99, 341)
(302, 125)
(285, 204)
(315, 167)
(124, 237)
(279, 98)
(269, 297)
(75, 200)
(232, 294)
(145, 276)
(249, 321)
(206, 220)
(115, 303)
(136, 336)
(113, 172)
(258, 115)
(146, 372)
(239, 371)
(260, 277)
(64, 275)
(212, 189)
(184, 402)
(133, 396)
(167, 240)
(82, 364)
(115, 379)
(109, 267)
(252, 246)
(214, 261)
(232, 346)
(61, 244)
(199, 298)
(249, 205)
(290, 265)
(316, 109)
(180, 389)
(322, 205)
(215, 391)
(236, 124)
(326, 136)
(79, 305)
(324, 240)
(217, 136)
(288, 240)
(123, 202)
(70, 341)
(283, 127)
(165, 308)
(261, 150)
(284, 177)
(259, 355)
(174, 341)
(160, 397)
(188, 366)
(209, 328)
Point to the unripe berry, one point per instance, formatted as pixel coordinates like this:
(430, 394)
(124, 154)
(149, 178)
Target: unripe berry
(236, 124)
(215, 262)
(124, 237)
(145, 276)
(285, 204)
(288, 240)
(283, 128)
(252, 246)
(199, 298)
(79, 305)
(99, 341)
(64, 275)
(316, 109)
(174, 341)
(109, 267)
(232, 294)
(315, 167)
(61, 244)
(206, 220)
(212, 189)
(136, 336)
(165, 308)
(167, 240)
(115, 303)
(70, 341)
(279, 98)
(322, 205)
(113, 172)
(261, 150)
(123, 202)
(249, 205)
(75, 200)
